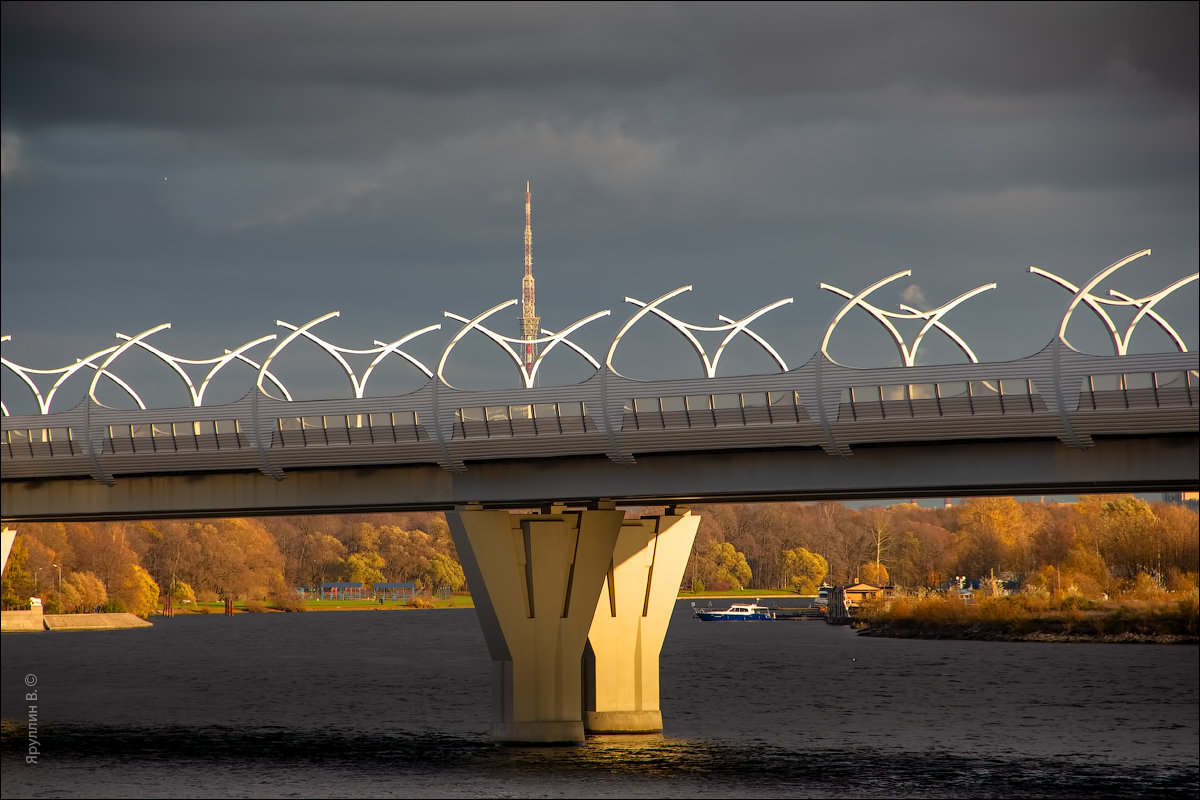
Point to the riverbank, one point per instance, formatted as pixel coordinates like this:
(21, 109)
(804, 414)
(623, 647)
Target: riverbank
(1002, 619)
(34, 620)
(987, 633)
(457, 600)
(1168, 619)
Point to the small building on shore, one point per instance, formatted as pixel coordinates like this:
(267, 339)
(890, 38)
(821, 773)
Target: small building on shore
(342, 590)
(859, 593)
(405, 590)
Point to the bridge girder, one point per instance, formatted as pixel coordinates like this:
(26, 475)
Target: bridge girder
(958, 469)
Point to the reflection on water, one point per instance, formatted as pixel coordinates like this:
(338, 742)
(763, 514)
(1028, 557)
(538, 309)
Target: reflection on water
(396, 704)
(164, 762)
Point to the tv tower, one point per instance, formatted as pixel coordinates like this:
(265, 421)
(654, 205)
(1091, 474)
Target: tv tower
(529, 317)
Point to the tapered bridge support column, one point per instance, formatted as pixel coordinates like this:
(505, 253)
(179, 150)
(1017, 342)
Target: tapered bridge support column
(535, 579)
(621, 661)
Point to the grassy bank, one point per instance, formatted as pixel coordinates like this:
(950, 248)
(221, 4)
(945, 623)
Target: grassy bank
(255, 606)
(460, 600)
(1169, 619)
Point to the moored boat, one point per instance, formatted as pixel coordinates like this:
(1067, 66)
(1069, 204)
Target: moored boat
(737, 611)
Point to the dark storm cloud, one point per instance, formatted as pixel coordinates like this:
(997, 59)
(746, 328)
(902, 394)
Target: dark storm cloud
(222, 165)
(991, 48)
(73, 62)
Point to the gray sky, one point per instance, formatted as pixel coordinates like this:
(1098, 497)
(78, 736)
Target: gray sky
(220, 166)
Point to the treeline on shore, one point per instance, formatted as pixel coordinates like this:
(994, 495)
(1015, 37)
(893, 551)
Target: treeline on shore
(1102, 545)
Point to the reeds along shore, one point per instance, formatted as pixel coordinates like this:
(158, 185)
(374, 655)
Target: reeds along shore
(1172, 617)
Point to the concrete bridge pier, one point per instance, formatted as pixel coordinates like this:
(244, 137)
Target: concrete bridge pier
(536, 579)
(620, 663)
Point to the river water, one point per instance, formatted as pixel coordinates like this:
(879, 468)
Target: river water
(370, 704)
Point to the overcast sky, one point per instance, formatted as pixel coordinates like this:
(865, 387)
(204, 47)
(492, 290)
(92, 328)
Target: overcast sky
(221, 166)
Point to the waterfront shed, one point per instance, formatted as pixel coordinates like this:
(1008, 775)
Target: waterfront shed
(394, 591)
(342, 590)
(859, 593)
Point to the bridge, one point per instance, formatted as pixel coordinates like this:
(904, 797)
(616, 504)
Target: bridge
(574, 597)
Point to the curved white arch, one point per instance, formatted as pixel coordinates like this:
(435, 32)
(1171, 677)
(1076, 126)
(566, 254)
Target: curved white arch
(114, 355)
(734, 327)
(853, 301)
(297, 332)
(1145, 305)
(641, 312)
(470, 325)
(551, 340)
(197, 395)
(387, 348)
(1146, 309)
(64, 374)
(932, 317)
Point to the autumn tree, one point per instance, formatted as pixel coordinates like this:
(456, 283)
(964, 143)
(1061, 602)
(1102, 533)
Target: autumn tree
(878, 523)
(238, 558)
(171, 555)
(721, 567)
(362, 537)
(82, 592)
(991, 536)
(362, 567)
(17, 585)
(1178, 538)
(1127, 536)
(134, 591)
(874, 573)
(321, 558)
(849, 544)
(442, 571)
(406, 554)
(103, 549)
(805, 570)
(921, 552)
(1050, 542)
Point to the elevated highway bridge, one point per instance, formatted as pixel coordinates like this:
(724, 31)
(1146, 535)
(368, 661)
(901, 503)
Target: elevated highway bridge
(573, 595)
(1057, 422)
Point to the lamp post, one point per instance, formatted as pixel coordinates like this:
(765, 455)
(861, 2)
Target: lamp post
(37, 577)
(57, 567)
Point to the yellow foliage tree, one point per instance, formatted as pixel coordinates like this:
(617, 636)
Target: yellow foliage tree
(804, 570)
(874, 573)
(82, 592)
(722, 566)
(136, 591)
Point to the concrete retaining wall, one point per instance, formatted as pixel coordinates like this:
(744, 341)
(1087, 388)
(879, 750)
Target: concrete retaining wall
(30, 620)
(93, 622)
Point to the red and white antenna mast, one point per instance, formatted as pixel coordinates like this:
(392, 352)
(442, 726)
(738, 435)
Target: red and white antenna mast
(529, 317)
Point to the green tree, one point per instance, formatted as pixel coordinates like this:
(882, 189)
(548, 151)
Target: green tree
(408, 553)
(364, 568)
(442, 571)
(804, 570)
(723, 567)
(182, 592)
